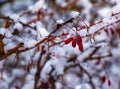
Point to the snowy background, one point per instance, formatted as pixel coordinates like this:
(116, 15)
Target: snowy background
(40, 47)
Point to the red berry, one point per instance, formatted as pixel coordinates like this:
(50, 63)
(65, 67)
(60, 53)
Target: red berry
(67, 41)
(103, 79)
(80, 47)
(79, 39)
(74, 42)
(109, 82)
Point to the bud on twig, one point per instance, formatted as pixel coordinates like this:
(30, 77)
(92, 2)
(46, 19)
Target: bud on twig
(1, 45)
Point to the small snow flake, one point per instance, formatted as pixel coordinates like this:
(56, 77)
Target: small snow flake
(15, 17)
(2, 31)
(29, 43)
(75, 14)
(59, 21)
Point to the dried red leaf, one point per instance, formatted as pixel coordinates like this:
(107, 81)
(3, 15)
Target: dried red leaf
(80, 47)
(74, 42)
(103, 79)
(79, 39)
(109, 82)
(67, 41)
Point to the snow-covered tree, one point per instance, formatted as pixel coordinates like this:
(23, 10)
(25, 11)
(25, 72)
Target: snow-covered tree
(59, 44)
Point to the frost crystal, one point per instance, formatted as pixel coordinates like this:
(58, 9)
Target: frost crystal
(42, 31)
(23, 19)
(59, 21)
(9, 46)
(75, 14)
(18, 26)
(2, 31)
(29, 43)
(8, 34)
(105, 12)
(15, 17)
(38, 5)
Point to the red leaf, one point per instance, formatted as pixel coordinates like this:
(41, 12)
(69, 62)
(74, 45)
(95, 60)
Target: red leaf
(79, 39)
(109, 82)
(80, 47)
(103, 79)
(67, 41)
(74, 42)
